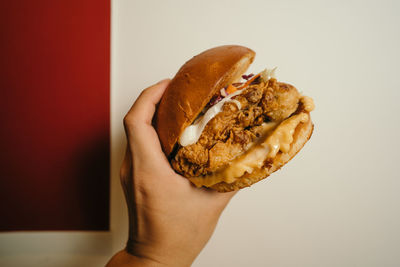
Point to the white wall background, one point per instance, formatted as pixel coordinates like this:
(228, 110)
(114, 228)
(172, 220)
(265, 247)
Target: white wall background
(337, 202)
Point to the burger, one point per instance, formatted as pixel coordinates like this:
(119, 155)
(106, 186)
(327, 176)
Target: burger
(225, 130)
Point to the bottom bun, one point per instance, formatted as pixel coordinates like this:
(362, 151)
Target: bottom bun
(301, 135)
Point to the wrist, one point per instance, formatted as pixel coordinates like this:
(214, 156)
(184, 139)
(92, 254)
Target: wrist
(126, 259)
(142, 258)
(158, 255)
(143, 261)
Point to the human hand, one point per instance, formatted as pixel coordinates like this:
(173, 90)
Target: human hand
(170, 220)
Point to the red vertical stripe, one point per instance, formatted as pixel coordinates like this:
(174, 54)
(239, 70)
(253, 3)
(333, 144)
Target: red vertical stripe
(54, 114)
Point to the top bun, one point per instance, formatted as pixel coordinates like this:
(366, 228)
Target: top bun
(197, 81)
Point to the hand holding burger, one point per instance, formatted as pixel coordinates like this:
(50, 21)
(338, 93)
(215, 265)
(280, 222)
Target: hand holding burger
(170, 220)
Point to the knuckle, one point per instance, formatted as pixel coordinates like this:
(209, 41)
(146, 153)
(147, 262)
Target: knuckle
(126, 120)
(144, 92)
(129, 120)
(124, 173)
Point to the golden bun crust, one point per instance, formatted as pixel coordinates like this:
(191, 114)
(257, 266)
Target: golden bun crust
(194, 85)
(302, 134)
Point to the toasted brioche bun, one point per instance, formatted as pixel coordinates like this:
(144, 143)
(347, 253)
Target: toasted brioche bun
(197, 81)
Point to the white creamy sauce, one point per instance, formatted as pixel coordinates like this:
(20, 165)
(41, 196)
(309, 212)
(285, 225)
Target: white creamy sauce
(268, 74)
(237, 103)
(192, 133)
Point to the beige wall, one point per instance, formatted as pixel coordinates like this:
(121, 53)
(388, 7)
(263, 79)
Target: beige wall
(336, 203)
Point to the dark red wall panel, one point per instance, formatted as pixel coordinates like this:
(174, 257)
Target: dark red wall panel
(54, 114)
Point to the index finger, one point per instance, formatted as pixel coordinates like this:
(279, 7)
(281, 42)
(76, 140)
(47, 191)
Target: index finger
(140, 133)
(142, 110)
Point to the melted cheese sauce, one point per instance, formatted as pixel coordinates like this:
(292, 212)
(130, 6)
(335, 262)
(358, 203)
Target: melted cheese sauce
(277, 138)
(308, 103)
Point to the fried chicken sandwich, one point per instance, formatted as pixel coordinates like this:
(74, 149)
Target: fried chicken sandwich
(225, 130)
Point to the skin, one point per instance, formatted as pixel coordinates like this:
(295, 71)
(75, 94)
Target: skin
(170, 220)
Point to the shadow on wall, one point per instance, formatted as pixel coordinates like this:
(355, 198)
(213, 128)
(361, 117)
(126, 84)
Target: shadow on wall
(92, 184)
